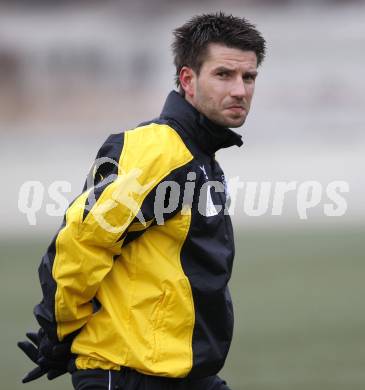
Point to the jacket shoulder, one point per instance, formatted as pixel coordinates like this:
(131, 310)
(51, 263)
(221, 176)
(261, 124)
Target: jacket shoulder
(155, 146)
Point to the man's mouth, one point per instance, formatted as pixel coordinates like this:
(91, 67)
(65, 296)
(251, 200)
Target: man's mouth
(237, 109)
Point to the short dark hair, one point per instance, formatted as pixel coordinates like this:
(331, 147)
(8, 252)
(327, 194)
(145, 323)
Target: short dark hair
(192, 39)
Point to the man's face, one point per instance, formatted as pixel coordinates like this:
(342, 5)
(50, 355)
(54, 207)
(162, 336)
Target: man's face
(224, 88)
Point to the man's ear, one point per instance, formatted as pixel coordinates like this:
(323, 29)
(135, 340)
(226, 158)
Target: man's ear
(187, 79)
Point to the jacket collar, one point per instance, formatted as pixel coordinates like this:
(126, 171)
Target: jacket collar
(209, 136)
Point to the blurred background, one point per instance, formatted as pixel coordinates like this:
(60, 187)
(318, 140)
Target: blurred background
(72, 72)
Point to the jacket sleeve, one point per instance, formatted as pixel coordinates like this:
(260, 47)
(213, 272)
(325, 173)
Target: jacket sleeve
(116, 206)
(82, 252)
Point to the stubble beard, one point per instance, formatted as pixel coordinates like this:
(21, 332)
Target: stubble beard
(220, 120)
(213, 113)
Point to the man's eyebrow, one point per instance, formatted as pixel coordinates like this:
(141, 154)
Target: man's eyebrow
(231, 70)
(251, 73)
(224, 69)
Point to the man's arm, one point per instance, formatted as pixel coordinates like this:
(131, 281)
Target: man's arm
(77, 260)
(82, 251)
(128, 169)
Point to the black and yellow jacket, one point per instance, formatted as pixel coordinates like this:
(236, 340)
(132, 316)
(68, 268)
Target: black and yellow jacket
(138, 283)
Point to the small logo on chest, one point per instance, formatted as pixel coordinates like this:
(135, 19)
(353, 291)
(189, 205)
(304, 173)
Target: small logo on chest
(202, 168)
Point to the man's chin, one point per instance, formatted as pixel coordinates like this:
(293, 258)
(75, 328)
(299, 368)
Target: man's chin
(229, 121)
(234, 120)
(234, 123)
(235, 126)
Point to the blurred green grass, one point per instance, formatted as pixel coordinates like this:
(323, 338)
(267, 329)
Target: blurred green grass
(299, 306)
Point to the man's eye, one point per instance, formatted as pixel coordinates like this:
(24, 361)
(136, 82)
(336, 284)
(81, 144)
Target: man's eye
(249, 78)
(223, 74)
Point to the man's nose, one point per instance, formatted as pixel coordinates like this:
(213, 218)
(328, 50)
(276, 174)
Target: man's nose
(238, 89)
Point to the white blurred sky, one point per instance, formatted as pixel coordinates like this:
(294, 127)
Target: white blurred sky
(307, 120)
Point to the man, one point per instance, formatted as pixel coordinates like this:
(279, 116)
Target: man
(134, 284)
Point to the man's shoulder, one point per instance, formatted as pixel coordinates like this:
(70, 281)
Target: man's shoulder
(150, 145)
(156, 135)
(156, 127)
(148, 132)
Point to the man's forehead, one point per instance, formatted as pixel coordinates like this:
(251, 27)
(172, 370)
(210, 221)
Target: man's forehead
(221, 55)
